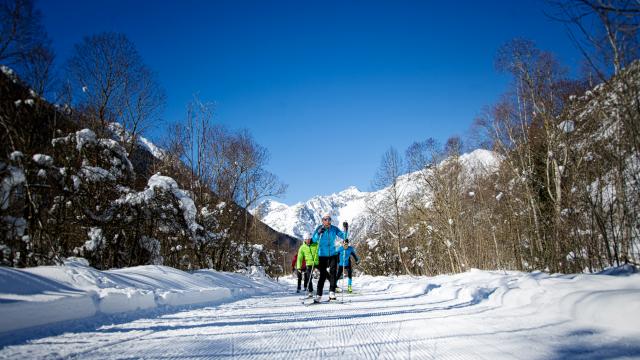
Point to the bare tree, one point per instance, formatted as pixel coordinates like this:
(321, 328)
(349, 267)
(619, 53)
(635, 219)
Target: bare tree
(421, 155)
(38, 67)
(24, 44)
(605, 31)
(390, 210)
(115, 85)
(250, 181)
(20, 30)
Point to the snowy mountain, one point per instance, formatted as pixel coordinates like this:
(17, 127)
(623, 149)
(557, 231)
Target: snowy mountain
(302, 218)
(351, 204)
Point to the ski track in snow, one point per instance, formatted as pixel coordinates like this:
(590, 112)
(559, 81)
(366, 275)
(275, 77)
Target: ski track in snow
(492, 317)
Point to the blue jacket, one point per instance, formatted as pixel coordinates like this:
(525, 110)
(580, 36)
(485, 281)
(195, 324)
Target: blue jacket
(345, 254)
(327, 245)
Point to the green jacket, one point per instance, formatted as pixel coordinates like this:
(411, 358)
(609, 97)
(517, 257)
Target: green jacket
(309, 253)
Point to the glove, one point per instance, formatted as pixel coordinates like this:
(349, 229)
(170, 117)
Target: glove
(345, 225)
(321, 230)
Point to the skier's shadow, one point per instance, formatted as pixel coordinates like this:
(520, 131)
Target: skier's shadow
(580, 345)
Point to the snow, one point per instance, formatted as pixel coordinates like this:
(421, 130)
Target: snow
(83, 137)
(472, 315)
(187, 205)
(76, 182)
(96, 239)
(14, 178)
(16, 156)
(9, 72)
(567, 126)
(95, 174)
(49, 294)
(151, 147)
(43, 160)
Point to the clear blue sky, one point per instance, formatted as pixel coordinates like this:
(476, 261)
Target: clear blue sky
(326, 86)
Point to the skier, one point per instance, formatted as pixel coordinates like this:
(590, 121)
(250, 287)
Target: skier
(325, 235)
(308, 254)
(296, 269)
(345, 262)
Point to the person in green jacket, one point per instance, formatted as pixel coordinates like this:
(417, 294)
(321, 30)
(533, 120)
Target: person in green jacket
(309, 253)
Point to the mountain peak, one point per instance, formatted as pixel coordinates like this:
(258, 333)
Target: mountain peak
(351, 204)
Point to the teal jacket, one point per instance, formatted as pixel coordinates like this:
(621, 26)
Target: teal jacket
(327, 241)
(345, 255)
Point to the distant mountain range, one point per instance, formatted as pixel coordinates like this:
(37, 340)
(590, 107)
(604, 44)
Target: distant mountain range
(350, 205)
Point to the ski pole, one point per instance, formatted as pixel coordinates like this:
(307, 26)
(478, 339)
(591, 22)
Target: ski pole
(314, 262)
(345, 225)
(343, 275)
(312, 267)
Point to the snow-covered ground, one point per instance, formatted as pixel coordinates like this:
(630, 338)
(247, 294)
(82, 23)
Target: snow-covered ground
(474, 315)
(46, 295)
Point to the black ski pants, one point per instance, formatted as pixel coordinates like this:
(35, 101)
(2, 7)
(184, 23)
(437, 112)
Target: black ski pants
(330, 262)
(341, 271)
(299, 274)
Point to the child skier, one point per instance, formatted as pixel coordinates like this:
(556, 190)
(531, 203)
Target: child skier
(346, 252)
(307, 255)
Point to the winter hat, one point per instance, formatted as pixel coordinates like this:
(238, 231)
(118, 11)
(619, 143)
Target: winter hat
(326, 215)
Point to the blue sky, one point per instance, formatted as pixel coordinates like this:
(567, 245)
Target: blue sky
(326, 86)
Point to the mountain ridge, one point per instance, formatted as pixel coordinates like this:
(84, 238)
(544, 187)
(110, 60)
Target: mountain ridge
(301, 219)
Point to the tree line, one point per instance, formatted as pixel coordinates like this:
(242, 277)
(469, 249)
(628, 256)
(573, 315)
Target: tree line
(564, 197)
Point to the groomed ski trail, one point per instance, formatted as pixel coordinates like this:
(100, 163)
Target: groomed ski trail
(492, 317)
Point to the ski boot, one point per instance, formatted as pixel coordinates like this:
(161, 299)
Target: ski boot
(332, 296)
(349, 289)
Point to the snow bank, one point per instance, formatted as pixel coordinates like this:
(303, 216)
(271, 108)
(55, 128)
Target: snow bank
(609, 302)
(48, 294)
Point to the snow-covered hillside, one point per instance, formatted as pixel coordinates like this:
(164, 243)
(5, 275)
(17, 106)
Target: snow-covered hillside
(350, 204)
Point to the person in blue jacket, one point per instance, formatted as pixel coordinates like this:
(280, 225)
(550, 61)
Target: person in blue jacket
(325, 235)
(346, 253)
